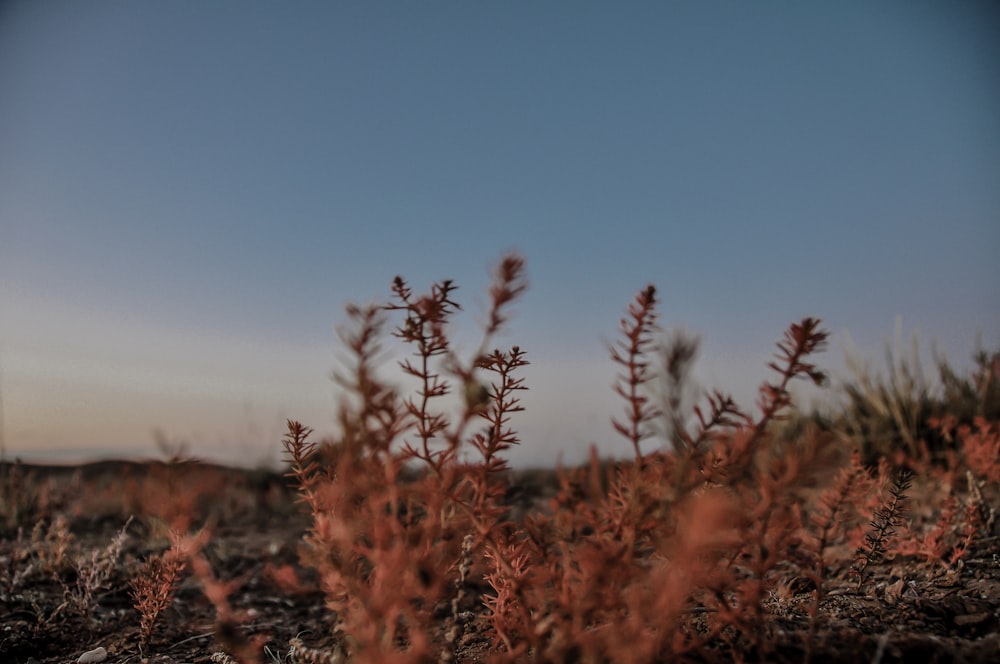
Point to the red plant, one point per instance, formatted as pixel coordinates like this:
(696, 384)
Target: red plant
(676, 551)
(154, 587)
(981, 449)
(385, 531)
(632, 354)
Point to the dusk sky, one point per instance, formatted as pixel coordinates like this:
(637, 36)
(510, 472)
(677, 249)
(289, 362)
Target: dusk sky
(190, 192)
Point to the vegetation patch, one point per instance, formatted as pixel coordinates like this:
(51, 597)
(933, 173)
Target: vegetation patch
(727, 534)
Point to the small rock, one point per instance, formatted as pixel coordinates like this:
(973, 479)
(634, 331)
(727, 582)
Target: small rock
(93, 656)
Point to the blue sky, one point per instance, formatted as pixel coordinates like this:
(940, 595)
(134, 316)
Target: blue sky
(190, 192)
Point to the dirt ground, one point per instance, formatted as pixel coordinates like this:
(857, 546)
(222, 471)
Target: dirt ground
(915, 612)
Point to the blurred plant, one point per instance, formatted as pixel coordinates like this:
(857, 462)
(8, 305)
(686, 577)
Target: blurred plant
(96, 571)
(52, 546)
(976, 446)
(975, 396)
(890, 415)
(677, 351)
(885, 414)
(228, 621)
(949, 538)
(18, 495)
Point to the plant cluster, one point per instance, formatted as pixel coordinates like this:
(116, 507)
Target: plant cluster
(664, 556)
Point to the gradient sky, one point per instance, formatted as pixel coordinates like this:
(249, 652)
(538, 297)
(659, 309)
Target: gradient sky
(190, 192)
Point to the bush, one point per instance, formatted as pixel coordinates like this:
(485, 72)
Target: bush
(892, 414)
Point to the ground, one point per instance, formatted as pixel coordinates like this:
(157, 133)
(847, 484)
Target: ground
(916, 611)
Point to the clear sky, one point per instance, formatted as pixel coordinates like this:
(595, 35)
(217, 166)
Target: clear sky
(190, 192)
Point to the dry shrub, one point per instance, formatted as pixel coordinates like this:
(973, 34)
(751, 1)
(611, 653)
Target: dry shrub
(980, 447)
(894, 412)
(641, 560)
(390, 500)
(154, 586)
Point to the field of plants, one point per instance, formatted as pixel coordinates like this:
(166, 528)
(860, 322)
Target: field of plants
(866, 533)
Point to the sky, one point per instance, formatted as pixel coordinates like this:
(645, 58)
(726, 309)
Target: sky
(191, 192)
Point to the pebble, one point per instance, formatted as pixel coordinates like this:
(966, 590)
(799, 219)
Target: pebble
(93, 656)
